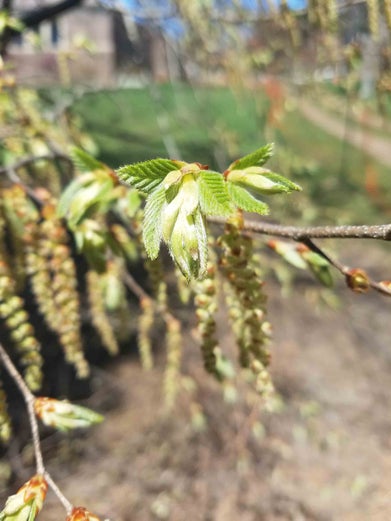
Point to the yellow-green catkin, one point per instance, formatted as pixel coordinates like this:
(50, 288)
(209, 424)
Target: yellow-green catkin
(65, 297)
(5, 421)
(373, 18)
(125, 242)
(21, 332)
(18, 213)
(387, 12)
(246, 301)
(37, 269)
(99, 317)
(172, 373)
(156, 278)
(290, 22)
(145, 324)
(183, 287)
(332, 12)
(205, 301)
(311, 12)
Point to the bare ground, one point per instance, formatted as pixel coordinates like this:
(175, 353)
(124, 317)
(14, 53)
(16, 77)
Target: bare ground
(324, 455)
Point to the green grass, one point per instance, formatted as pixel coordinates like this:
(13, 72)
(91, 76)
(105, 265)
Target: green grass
(125, 127)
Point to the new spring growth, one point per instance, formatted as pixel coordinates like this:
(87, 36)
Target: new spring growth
(357, 280)
(300, 256)
(183, 227)
(63, 415)
(27, 502)
(261, 181)
(81, 514)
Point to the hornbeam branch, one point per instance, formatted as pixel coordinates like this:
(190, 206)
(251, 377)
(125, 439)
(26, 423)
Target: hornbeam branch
(301, 233)
(347, 270)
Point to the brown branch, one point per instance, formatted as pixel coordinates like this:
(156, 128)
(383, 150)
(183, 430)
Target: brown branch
(26, 161)
(347, 271)
(131, 283)
(11, 172)
(29, 399)
(298, 233)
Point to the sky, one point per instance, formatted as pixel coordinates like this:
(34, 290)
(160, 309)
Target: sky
(174, 28)
(249, 4)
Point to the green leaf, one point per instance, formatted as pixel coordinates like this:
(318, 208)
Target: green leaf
(245, 201)
(89, 199)
(152, 224)
(146, 176)
(213, 194)
(84, 161)
(323, 274)
(202, 245)
(257, 158)
(289, 253)
(319, 266)
(284, 184)
(70, 192)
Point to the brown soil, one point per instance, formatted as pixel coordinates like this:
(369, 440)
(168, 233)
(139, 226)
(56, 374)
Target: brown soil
(324, 455)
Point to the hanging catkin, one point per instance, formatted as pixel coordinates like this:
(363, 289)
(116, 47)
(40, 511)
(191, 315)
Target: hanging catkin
(246, 301)
(145, 324)
(373, 18)
(172, 374)
(5, 422)
(99, 317)
(205, 301)
(387, 12)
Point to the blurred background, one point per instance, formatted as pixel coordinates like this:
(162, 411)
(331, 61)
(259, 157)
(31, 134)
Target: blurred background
(208, 81)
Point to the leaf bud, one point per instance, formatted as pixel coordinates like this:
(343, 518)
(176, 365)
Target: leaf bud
(261, 181)
(81, 514)
(64, 415)
(357, 280)
(187, 244)
(27, 502)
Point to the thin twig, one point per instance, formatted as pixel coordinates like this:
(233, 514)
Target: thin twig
(346, 270)
(29, 399)
(26, 161)
(135, 287)
(53, 485)
(141, 294)
(301, 233)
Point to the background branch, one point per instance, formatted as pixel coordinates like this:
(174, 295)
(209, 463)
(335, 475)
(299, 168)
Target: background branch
(301, 233)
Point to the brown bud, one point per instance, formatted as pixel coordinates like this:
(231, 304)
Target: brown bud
(357, 280)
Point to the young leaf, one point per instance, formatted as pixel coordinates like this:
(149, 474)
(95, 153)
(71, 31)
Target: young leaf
(261, 181)
(93, 196)
(152, 229)
(245, 201)
(282, 182)
(289, 253)
(146, 176)
(188, 245)
(213, 194)
(319, 266)
(84, 161)
(257, 158)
